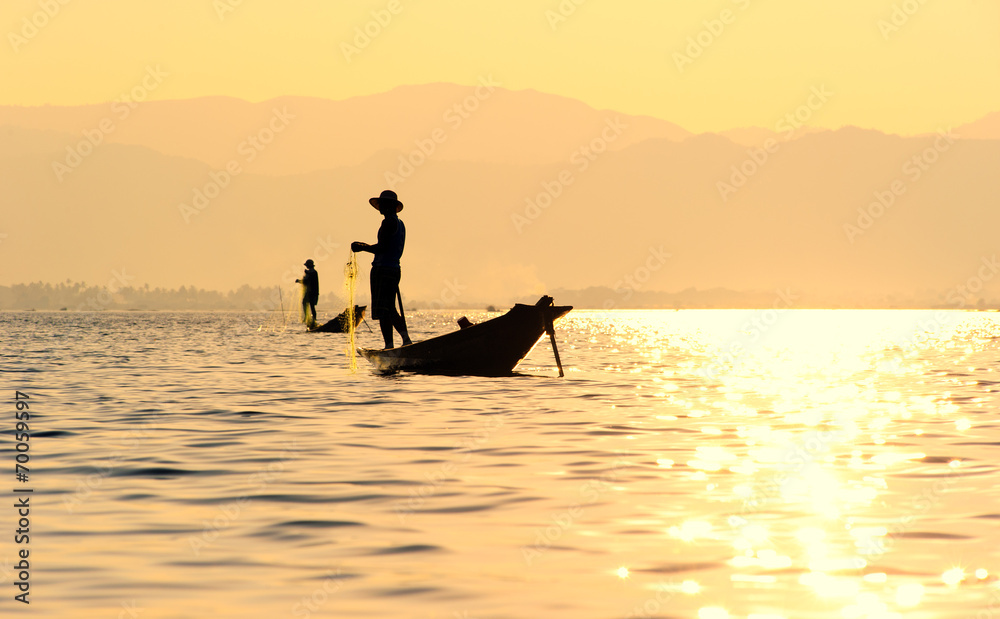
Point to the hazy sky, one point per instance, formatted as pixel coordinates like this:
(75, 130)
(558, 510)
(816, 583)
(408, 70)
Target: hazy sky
(900, 66)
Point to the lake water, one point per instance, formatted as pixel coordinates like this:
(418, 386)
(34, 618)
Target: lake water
(691, 464)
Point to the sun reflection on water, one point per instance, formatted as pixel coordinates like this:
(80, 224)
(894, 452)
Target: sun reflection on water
(809, 433)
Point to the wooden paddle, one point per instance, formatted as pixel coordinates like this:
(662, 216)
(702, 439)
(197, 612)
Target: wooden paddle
(551, 330)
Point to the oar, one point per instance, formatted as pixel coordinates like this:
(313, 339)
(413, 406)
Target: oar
(551, 330)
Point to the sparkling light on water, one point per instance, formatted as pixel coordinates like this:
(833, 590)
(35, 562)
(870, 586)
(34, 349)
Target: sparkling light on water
(836, 466)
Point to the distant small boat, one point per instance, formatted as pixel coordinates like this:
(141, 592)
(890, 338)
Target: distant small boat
(490, 348)
(339, 324)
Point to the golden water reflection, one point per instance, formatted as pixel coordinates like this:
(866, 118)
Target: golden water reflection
(837, 465)
(830, 465)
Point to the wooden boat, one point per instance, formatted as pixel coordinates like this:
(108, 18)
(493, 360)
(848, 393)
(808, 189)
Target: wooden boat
(339, 324)
(490, 348)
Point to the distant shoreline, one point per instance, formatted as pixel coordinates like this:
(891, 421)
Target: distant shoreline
(80, 297)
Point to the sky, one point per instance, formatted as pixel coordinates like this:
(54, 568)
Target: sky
(905, 67)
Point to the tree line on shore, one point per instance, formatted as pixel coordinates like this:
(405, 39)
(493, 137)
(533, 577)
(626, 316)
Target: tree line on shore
(79, 296)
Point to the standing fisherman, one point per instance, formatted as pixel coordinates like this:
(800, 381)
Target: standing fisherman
(385, 273)
(309, 281)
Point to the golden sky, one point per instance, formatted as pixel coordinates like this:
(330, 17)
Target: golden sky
(904, 66)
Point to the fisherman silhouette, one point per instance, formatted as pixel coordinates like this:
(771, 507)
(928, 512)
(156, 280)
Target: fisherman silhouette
(309, 281)
(385, 272)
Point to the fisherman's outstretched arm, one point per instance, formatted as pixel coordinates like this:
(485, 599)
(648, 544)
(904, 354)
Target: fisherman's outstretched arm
(385, 232)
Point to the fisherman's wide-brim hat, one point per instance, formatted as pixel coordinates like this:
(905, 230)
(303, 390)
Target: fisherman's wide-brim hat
(387, 197)
(309, 262)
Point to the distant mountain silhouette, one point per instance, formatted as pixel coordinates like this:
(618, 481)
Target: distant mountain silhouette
(664, 213)
(451, 122)
(986, 128)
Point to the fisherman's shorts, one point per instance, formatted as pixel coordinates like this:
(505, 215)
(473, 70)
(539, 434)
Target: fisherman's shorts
(385, 283)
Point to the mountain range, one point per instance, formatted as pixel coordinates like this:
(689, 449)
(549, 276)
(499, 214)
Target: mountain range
(507, 194)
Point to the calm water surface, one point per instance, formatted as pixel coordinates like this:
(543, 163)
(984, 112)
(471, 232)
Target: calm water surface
(692, 464)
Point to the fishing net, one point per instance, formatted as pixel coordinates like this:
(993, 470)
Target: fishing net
(351, 286)
(303, 313)
(275, 312)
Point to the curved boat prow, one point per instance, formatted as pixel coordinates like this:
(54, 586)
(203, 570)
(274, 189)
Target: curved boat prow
(490, 348)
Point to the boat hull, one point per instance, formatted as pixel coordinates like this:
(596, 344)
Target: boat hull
(340, 323)
(490, 348)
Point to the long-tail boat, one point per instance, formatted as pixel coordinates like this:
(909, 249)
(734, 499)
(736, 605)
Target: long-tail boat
(490, 348)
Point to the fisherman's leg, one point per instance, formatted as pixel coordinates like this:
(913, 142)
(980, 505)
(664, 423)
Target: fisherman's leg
(385, 323)
(400, 325)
